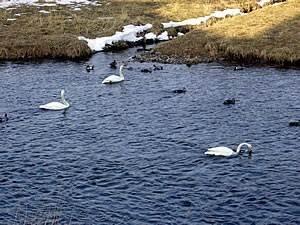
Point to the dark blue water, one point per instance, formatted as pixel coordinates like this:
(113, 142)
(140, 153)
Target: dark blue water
(133, 153)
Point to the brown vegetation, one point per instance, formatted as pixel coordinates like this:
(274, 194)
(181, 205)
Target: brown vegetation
(266, 36)
(35, 35)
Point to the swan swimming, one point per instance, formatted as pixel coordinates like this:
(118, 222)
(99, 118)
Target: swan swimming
(114, 78)
(224, 151)
(57, 105)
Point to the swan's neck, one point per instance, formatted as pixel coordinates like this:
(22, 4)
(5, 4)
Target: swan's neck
(63, 99)
(120, 71)
(240, 146)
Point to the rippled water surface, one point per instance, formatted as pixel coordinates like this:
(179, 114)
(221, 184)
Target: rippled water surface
(133, 153)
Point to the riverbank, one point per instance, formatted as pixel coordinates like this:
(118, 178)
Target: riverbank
(51, 30)
(269, 36)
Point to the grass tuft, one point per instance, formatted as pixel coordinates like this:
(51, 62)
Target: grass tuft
(268, 36)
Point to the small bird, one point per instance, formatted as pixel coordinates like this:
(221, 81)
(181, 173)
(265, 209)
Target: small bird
(158, 67)
(146, 70)
(183, 90)
(296, 123)
(89, 68)
(113, 64)
(229, 101)
(238, 68)
(4, 119)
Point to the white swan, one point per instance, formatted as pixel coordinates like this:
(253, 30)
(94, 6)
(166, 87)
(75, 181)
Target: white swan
(224, 151)
(57, 105)
(114, 78)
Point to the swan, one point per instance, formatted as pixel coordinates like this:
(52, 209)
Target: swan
(224, 151)
(114, 78)
(57, 105)
(229, 101)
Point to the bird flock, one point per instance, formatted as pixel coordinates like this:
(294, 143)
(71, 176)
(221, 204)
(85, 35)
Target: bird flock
(216, 151)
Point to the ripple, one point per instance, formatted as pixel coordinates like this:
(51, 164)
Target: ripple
(133, 153)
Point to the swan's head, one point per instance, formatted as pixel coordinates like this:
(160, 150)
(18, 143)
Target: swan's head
(250, 148)
(62, 92)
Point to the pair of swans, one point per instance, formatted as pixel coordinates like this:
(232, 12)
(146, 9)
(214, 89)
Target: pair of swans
(64, 104)
(57, 105)
(225, 151)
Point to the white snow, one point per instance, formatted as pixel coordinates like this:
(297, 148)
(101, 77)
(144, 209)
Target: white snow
(9, 3)
(44, 11)
(197, 21)
(129, 33)
(150, 36)
(262, 2)
(163, 36)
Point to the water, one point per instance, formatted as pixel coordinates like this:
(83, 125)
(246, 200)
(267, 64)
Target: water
(132, 153)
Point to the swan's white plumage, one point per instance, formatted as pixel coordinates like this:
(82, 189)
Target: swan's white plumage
(114, 78)
(57, 105)
(225, 151)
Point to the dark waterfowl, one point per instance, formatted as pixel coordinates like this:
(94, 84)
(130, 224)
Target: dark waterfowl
(229, 101)
(183, 90)
(238, 68)
(158, 67)
(146, 70)
(113, 64)
(4, 119)
(296, 123)
(89, 68)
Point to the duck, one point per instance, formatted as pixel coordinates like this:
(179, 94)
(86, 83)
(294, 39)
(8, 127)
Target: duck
(4, 119)
(183, 90)
(57, 105)
(295, 123)
(238, 68)
(89, 68)
(158, 67)
(229, 101)
(225, 151)
(113, 64)
(146, 70)
(114, 78)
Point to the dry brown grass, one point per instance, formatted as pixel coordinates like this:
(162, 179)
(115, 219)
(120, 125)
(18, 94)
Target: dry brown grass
(269, 35)
(35, 35)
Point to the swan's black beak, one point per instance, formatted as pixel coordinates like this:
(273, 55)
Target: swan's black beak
(250, 151)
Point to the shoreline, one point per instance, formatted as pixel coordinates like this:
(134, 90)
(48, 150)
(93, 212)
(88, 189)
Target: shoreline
(213, 40)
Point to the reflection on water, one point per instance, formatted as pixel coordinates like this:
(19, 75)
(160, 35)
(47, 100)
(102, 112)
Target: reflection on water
(133, 152)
